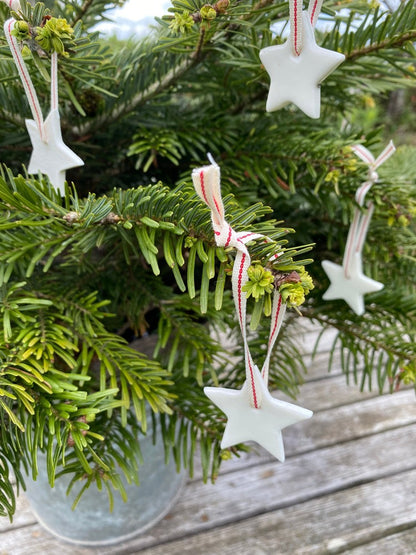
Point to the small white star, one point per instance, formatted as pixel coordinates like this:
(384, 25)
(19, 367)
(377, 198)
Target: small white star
(351, 289)
(297, 78)
(52, 157)
(263, 425)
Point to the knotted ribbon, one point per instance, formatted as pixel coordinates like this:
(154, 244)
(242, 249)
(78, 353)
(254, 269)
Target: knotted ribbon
(361, 221)
(206, 181)
(13, 4)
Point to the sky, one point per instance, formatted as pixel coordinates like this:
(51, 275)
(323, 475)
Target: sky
(134, 17)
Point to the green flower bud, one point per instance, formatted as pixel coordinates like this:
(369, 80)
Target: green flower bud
(190, 242)
(208, 12)
(26, 52)
(306, 280)
(403, 221)
(55, 35)
(260, 282)
(226, 455)
(182, 22)
(21, 30)
(293, 294)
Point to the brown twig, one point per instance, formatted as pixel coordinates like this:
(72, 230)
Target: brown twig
(82, 11)
(391, 42)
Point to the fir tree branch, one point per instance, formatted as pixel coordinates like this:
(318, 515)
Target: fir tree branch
(156, 88)
(388, 43)
(354, 332)
(82, 11)
(15, 119)
(141, 97)
(262, 4)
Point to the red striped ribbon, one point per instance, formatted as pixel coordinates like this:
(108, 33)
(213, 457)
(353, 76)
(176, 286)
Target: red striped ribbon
(361, 221)
(13, 4)
(27, 81)
(296, 24)
(206, 181)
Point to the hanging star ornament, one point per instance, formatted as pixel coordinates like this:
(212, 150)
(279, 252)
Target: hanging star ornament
(353, 288)
(51, 157)
(297, 79)
(263, 425)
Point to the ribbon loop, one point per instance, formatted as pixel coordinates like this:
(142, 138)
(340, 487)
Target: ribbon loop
(373, 163)
(296, 22)
(361, 222)
(206, 181)
(13, 4)
(25, 77)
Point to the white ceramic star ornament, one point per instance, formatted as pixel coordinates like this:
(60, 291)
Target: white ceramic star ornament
(348, 282)
(351, 288)
(263, 425)
(297, 78)
(50, 156)
(253, 414)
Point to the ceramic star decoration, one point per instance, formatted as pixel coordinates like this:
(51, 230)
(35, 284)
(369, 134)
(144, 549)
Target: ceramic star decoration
(352, 288)
(263, 425)
(296, 78)
(253, 414)
(51, 156)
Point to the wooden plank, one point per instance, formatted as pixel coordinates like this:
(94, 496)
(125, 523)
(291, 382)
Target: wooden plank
(271, 486)
(325, 429)
(309, 333)
(317, 367)
(330, 524)
(352, 421)
(325, 394)
(34, 540)
(23, 517)
(401, 543)
(339, 424)
(261, 489)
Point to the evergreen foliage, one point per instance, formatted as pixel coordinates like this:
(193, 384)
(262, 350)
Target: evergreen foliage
(129, 250)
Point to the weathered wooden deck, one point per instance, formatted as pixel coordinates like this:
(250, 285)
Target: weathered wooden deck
(348, 485)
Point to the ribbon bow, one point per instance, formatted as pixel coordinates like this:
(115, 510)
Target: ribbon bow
(206, 181)
(361, 221)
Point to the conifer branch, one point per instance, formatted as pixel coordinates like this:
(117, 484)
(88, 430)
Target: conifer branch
(82, 11)
(396, 42)
(358, 333)
(141, 97)
(15, 119)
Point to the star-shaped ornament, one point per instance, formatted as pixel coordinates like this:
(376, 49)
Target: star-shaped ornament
(351, 289)
(297, 79)
(51, 157)
(263, 425)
